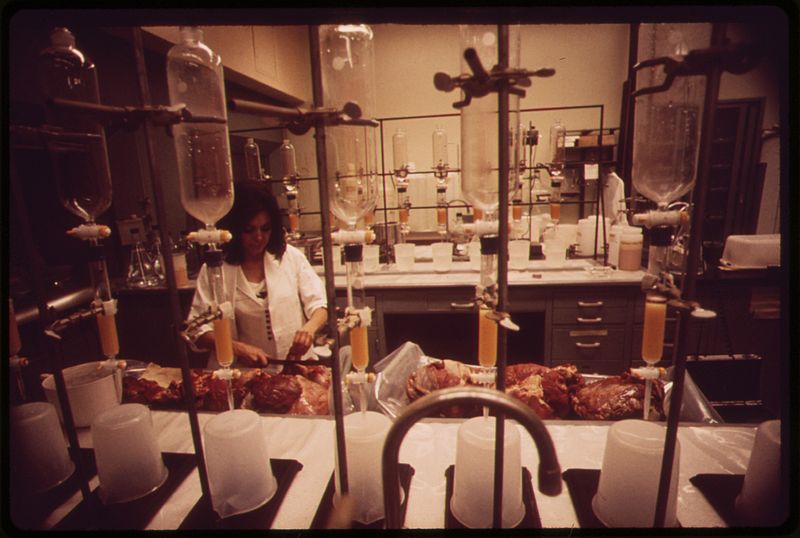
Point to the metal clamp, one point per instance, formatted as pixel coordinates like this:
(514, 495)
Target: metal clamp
(483, 82)
(299, 121)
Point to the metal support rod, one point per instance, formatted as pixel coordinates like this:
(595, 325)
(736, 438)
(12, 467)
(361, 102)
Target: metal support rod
(36, 268)
(502, 268)
(262, 109)
(548, 474)
(690, 276)
(172, 290)
(327, 250)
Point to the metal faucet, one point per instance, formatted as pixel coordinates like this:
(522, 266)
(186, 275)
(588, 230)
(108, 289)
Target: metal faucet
(549, 475)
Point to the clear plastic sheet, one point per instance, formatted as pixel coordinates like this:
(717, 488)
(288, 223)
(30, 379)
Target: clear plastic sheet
(389, 392)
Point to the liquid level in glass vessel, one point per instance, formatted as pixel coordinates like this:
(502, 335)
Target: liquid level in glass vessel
(487, 339)
(655, 314)
(223, 343)
(294, 221)
(107, 327)
(83, 177)
(403, 216)
(205, 170)
(358, 344)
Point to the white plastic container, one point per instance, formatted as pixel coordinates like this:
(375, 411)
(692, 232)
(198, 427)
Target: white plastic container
(91, 389)
(630, 250)
(39, 456)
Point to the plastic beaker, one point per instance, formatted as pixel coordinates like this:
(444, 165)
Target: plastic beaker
(555, 251)
(473, 478)
(758, 503)
(365, 434)
(129, 462)
(239, 471)
(371, 255)
(404, 256)
(518, 254)
(442, 256)
(39, 456)
(628, 487)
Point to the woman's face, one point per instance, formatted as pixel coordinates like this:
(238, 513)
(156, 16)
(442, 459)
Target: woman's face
(255, 236)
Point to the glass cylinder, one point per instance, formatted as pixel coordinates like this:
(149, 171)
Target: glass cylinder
(479, 123)
(439, 140)
(288, 161)
(80, 156)
(347, 66)
(666, 134)
(400, 152)
(655, 317)
(252, 160)
(195, 78)
(558, 143)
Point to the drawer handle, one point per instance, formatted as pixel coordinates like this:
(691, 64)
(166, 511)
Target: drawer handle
(462, 306)
(589, 320)
(593, 345)
(595, 304)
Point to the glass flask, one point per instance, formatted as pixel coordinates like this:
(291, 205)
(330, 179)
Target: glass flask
(439, 141)
(347, 66)
(479, 124)
(194, 78)
(400, 152)
(667, 124)
(252, 160)
(79, 154)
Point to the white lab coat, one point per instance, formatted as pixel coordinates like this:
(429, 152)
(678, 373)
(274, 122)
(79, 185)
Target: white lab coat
(294, 291)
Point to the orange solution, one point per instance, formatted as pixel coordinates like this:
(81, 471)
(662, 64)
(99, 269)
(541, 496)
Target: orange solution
(109, 342)
(369, 219)
(404, 215)
(516, 212)
(223, 342)
(555, 210)
(478, 213)
(359, 349)
(487, 339)
(655, 317)
(294, 222)
(441, 216)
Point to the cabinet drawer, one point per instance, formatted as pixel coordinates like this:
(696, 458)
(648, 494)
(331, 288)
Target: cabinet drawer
(590, 313)
(578, 344)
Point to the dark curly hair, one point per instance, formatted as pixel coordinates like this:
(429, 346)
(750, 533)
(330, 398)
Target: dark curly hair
(248, 201)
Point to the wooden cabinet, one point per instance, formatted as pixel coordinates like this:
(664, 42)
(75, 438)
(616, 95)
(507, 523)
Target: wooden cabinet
(590, 327)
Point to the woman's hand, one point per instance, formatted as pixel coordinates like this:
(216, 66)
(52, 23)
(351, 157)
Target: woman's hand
(303, 339)
(250, 355)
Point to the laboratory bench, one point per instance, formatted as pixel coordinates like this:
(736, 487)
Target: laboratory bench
(429, 448)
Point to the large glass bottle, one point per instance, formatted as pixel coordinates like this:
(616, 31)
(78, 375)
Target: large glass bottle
(194, 78)
(80, 158)
(479, 135)
(252, 161)
(347, 66)
(667, 124)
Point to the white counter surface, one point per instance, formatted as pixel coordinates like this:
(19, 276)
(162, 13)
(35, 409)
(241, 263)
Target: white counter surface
(538, 272)
(430, 448)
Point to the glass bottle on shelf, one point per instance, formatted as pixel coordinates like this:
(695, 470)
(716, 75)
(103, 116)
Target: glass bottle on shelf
(252, 161)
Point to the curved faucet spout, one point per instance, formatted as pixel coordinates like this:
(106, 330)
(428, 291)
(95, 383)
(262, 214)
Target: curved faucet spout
(549, 475)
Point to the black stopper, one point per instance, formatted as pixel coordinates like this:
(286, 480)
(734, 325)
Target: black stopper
(661, 236)
(489, 244)
(214, 258)
(354, 253)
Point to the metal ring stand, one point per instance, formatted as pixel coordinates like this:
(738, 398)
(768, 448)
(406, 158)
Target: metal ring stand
(549, 473)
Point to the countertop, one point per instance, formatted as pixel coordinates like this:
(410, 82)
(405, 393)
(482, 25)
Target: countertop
(430, 448)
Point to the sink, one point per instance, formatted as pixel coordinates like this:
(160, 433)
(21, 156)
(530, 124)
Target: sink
(751, 251)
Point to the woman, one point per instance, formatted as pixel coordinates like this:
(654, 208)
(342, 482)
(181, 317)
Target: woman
(278, 300)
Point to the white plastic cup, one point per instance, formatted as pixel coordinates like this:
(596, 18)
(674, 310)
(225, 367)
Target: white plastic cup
(371, 256)
(555, 251)
(129, 461)
(39, 456)
(474, 250)
(473, 479)
(759, 501)
(364, 434)
(239, 472)
(519, 252)
(587, 233)
(404, 256)
(442, 256)
(628, 488)
(91, 389)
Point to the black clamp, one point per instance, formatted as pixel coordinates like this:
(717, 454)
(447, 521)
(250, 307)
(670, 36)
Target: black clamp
(482, 82)
(299, 121)
(736, 59)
